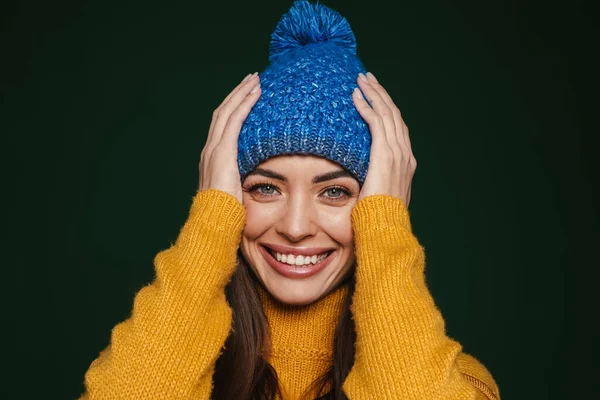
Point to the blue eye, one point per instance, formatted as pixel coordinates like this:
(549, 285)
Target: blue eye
(338, 191)
(267, 187)
(262, 188)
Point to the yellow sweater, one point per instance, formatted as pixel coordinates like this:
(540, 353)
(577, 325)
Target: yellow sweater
(168, 347)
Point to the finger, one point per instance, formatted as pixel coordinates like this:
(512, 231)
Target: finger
(216, 112)
(237, 117)
(381, 108)
(232, 103)
(221, 113)
(390, 103)
(406, 136)
(401, 128)
(209, 138)
(238, 87)
(210, 142)
(373, 119)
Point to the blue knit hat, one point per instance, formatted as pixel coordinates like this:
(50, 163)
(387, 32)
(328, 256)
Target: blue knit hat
(306, 103)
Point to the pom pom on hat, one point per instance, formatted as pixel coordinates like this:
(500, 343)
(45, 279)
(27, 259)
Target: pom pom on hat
(306, 104)
(310, 23)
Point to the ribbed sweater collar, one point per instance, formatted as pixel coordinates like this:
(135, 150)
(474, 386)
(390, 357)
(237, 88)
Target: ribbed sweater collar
(303, 331)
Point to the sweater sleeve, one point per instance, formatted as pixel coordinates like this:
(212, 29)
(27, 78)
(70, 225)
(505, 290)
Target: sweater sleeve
(168, 347)
(402, 351)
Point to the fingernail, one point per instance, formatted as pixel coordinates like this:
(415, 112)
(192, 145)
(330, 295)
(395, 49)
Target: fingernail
(370, 75)
(255, 88)
(363, 77)
(246, 78)
(358, 93)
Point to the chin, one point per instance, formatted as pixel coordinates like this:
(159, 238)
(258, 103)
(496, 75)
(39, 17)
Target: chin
(294, 292)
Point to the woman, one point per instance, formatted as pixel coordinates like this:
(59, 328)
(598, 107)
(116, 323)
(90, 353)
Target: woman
(296, 274)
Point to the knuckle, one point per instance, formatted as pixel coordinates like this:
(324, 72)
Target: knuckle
(386, 113)
(216, 154)
(208, 153)
(239, 111)
(235, 117)
(225, 110)
(228, 109)
(377, 121)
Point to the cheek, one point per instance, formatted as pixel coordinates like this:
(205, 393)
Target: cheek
(259, 218)
(338, 226)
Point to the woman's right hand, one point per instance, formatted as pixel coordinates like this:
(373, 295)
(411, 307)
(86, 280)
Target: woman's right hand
(218, 161)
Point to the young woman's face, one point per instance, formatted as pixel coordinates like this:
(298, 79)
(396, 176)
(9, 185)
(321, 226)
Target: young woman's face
(292, 204)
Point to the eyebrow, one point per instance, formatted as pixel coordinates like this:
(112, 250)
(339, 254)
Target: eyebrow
(317, 179)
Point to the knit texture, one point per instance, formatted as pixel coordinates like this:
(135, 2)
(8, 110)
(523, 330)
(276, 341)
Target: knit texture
(302, 338)
(168, 347)
(306, 103)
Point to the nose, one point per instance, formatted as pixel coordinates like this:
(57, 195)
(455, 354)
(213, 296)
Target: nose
(299, 220)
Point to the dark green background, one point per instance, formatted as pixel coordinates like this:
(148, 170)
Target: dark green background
(104, 112)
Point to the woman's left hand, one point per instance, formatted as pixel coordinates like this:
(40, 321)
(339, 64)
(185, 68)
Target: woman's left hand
(392, 164)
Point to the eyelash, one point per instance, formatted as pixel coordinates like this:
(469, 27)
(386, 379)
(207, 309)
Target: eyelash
(252, 188)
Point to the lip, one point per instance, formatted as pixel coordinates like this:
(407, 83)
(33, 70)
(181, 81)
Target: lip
(293, 271)
(306, 251)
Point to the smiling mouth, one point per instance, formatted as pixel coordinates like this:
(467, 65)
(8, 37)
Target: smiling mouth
(321, 258)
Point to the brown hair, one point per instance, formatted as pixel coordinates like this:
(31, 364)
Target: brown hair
(242, 370)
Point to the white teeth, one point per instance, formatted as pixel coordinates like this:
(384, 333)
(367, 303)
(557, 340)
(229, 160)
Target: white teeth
(299, 259)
